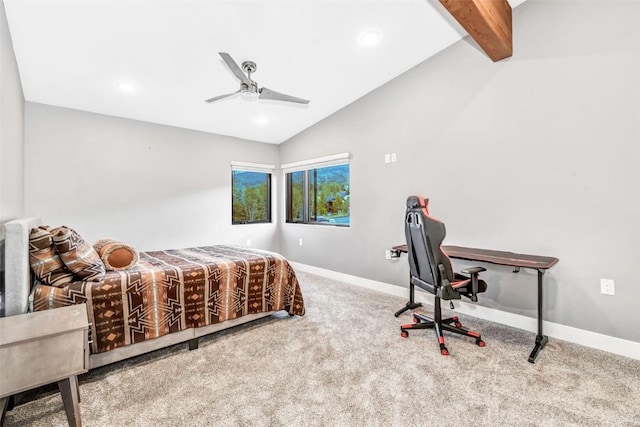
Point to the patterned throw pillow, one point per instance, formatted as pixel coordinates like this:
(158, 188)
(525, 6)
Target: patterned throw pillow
(45, 262)
(80, 258)
(116, 255)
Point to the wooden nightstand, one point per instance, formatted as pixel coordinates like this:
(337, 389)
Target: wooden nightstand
(44, 347)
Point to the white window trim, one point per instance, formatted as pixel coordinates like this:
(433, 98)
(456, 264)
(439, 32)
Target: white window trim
(320, 162)
(252, 167)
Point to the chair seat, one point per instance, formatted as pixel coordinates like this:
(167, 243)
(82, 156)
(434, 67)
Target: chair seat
(461, 282)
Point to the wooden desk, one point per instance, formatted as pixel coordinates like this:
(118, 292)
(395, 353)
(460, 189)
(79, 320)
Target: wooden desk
(517, 261)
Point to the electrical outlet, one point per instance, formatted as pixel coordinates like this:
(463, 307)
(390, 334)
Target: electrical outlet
(300, 241)
(387, 254)
(607, 287)
(248, 242)
(387, 158)
(393, 157)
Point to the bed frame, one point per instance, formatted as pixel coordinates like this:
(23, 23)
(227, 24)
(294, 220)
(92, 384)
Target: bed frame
(18, 282)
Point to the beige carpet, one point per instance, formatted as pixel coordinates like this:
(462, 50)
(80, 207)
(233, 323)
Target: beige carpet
(345, 364)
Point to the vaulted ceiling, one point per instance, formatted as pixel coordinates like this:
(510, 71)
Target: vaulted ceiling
(157, 60)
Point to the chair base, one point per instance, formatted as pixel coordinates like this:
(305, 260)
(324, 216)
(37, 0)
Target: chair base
(410, 305)
(424, 322)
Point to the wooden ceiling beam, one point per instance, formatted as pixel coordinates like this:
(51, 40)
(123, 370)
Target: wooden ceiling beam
(488, 22)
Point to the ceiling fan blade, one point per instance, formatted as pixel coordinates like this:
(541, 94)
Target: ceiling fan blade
(218, 98)
(235, 69)
(266, 93)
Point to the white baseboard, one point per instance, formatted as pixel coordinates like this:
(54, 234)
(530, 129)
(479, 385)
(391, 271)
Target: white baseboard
(553, 330)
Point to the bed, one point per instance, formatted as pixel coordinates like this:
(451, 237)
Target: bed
(169, 297)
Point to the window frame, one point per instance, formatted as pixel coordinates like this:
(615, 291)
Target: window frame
(308, 167)
(254, 168)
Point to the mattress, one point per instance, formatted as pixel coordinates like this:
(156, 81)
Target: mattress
(173, 290)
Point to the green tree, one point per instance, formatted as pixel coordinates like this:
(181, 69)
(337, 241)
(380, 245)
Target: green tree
(250, 203)
(255, 202)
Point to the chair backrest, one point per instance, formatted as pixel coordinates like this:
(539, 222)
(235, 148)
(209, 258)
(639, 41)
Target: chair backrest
(424, 235)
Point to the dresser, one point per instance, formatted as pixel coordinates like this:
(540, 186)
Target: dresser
(45, 347)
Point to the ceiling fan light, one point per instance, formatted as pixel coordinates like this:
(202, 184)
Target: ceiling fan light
(249, 95)
(369, 37)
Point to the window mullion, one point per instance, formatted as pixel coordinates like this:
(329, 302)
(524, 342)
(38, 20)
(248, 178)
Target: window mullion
(315, 195)
(305, 196)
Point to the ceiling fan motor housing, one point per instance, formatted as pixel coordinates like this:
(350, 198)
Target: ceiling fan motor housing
(249, 90)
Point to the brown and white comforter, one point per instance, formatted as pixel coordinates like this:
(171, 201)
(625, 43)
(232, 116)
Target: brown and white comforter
(172, 290)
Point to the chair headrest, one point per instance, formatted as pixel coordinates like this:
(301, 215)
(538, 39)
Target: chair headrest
(414, 202)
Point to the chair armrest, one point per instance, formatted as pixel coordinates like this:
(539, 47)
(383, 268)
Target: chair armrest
(473, 270)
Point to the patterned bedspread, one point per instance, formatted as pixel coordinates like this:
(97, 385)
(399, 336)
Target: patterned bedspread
(172, 290)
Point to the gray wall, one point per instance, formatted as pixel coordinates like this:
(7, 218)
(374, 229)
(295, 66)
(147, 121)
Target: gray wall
(11, 129)
(536, 154)
(153, 186)
(11, 139)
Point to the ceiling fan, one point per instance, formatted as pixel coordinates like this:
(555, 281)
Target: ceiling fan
(249, 88)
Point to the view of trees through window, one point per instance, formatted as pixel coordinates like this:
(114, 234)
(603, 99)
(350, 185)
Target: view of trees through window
(319, 196)
(251, 197)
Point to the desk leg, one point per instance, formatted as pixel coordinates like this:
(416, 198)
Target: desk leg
(411, 304)
(541, 339)
(70, 398)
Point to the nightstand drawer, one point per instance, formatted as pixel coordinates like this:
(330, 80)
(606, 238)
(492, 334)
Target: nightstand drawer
(31, 364)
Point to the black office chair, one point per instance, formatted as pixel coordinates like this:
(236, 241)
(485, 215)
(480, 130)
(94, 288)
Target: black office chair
(431, 270)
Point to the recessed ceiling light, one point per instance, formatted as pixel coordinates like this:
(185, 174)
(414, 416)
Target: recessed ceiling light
(126, 87)
(369, 37)
(262, 120)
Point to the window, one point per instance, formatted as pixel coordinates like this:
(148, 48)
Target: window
(318, 192)
(251, 193)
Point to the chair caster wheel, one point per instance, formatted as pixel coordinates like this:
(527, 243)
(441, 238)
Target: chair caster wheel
(458, 325)
(416, 320)
(404, 334)
(444, 352)
(480, 343)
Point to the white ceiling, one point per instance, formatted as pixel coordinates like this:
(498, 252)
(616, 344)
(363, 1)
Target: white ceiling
(72, 53)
